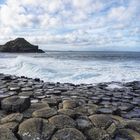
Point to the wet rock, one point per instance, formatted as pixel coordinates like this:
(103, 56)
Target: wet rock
(44, 113)
(34, 106)
(37, 79)
(14, 117)
(35, 129)
(111, 130)
(11, 93)
(104, 111)
(15, 104)
(133, 124)
(68, 112)
(13, 126)
(56, 92)
(69, 104)
(62, 121)
(96, 99)
(14, 88)
(50, 101)
(135, 113)
(27, 94)
(26, 89)
(68, 134)
(118, 119)
(137, 100)
(40, 97)
(7, 134)
(126, 107)
(7, 77)
(106, 99)
(62, 89)
(101, 121)
(105, 103)
(127, 134)
(2, 114)
(87, 109)
(96, 134)
(108, 110)
(83, 122)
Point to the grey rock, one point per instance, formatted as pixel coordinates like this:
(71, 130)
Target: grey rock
(62, 121)
(35, 129)
(44, 113)
(15, 104)
(68, 134)
(7, 134)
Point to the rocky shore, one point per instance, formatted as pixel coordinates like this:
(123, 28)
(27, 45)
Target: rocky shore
(31, 109)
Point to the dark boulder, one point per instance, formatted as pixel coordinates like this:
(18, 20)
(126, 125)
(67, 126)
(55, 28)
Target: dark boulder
(15, 104)
(20, 45)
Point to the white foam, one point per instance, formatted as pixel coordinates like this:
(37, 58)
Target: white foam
(114, 85)
(73, 71)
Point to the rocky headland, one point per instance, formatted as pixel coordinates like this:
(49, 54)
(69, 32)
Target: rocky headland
(31, 109)
(20, 45)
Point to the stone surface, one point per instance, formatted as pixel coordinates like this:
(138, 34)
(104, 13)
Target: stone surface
(15, 117)
(62, 121)
(68, 134)
(15, 104)
(87, 109)
(127, 134)
(7, 134)
(44, 113)
(135, 113)
(34, 106)
(50, 101)
(101, 121)
(69, 104)
(68, 111)
(96, 134)
(13, 126)
(133, 124)
(83, 123)
(35, 129)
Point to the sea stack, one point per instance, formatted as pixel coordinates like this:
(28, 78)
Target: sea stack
(20, 45)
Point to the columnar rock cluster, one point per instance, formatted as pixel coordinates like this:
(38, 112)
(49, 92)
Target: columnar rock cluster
(31, 109)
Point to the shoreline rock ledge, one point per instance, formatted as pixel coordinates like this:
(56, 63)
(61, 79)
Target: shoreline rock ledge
(20, 45)
(31, 109)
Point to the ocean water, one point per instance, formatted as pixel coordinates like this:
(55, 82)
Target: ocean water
(74, 67)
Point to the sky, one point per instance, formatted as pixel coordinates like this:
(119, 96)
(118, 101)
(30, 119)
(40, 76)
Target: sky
(73, 24)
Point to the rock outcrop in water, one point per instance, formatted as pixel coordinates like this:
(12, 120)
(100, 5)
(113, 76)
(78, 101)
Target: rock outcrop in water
(31, 109)
(20, 45)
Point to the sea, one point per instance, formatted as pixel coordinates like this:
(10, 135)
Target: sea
(73, 66)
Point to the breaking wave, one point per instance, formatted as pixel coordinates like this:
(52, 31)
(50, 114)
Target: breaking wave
(73, 71)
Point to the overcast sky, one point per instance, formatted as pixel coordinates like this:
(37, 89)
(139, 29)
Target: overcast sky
(73, 24)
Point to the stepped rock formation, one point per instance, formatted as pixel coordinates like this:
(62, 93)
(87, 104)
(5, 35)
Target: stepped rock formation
(20, 45)
(31, 109)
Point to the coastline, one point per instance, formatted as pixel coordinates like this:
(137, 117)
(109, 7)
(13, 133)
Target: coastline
(33, 109)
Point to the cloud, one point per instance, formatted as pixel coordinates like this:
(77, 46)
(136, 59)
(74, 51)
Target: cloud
(75, 22)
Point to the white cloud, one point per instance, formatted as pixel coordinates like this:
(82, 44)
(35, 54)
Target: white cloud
(124, 13)
(69, 21)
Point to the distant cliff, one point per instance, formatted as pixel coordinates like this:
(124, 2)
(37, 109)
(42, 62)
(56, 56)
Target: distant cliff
(20, 45)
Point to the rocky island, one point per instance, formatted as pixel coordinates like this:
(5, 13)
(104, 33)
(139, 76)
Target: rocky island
(20, 45)
(31, 109)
